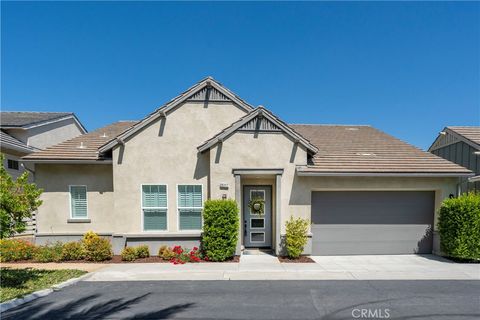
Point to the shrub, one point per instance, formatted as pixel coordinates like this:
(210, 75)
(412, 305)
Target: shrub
(73, 251)
(14, 250)
(296, 236)
(166, 253)
(49, 253)
(96, 248)
(142, 252)
(459, 226)
(129, 254)
(220, 229)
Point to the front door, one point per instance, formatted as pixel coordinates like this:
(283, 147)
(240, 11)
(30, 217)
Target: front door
(257, 227)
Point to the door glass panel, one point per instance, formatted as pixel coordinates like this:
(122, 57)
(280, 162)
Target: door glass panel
(257, 236)
(256, 194)
(257, 223)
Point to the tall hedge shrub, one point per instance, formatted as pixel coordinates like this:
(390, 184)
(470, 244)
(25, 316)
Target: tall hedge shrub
(220, 229)
(459, 226)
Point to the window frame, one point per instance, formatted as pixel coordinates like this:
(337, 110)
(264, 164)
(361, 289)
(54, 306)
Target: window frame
(70, 201)
(142, 216)
(13, 161)
(178, 208)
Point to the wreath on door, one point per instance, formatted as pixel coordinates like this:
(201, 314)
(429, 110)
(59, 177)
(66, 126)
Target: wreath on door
(257, 206)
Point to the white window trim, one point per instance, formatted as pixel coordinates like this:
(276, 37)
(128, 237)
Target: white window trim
(70, 201)
(178, 208)
(251, 241)
(158, 208)
(257, 218)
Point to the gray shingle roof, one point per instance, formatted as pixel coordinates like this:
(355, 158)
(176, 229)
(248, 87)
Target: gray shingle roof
(469, 133)
(84, 147)
(9, 142)
(363, 149)
(24, 119)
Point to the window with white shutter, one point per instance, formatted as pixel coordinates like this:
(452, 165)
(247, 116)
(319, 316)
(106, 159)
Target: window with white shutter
(190, 206)
(154, 207)
(78, 202)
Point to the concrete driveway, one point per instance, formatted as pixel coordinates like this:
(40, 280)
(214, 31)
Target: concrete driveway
(266, 267)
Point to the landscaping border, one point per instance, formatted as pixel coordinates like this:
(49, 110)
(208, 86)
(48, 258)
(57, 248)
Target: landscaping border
(4, 306)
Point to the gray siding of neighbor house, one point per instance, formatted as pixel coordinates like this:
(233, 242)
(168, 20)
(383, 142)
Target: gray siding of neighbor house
(464, 155)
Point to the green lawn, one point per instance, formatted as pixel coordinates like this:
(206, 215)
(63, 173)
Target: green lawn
(16, 283)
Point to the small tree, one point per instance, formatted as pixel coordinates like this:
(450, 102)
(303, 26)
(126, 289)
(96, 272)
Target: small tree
(18, 199)
(296, 237)
(459, 226)
(220, 229)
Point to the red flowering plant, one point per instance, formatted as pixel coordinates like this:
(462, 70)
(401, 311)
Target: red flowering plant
(183, 256)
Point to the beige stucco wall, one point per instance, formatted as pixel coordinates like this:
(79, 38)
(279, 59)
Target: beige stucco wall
(299, 201)
(165, 152)
(54, 213)
(49, 134)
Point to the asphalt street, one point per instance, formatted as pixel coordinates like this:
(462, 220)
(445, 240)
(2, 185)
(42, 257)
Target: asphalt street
(258, 300)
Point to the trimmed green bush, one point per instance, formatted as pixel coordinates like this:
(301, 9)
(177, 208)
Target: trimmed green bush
(73, 251)
(49, 253)
(220, 229)
(459, 226)
(142, 251)
(14, 250)
(296, 236)
(129, 254)
(96, 248)
(166, 253)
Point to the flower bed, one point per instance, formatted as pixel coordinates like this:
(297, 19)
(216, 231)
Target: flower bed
(94, 249)
(301, 259)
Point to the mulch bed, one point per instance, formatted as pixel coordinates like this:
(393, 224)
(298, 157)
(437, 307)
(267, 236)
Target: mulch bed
(118, 259)
(301, 259)
(462, 260)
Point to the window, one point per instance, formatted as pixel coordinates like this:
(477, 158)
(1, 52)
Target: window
(190, 205)
(78, 202)
(12, 164)
(154, 207)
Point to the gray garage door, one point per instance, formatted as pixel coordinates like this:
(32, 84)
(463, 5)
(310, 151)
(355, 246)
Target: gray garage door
(371, 222)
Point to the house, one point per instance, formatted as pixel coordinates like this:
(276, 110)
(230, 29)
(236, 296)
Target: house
(144, 182)
(22, 133)
(462, 146)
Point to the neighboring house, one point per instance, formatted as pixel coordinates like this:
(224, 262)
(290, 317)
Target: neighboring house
(364, 191)
(462, 146)
(22, 133)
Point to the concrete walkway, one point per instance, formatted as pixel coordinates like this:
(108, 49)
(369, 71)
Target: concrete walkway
(266, 267)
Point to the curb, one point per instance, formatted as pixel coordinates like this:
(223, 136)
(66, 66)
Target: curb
(41, 293)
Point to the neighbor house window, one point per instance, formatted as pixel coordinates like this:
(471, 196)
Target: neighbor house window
(12, 164)
(190, 205)
(154, 207)
(78, 202)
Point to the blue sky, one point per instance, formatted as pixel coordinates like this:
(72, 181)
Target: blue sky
(408, 69)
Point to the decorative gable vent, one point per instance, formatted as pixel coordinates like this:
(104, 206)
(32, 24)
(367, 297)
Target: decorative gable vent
(208, 94)
(260, 124)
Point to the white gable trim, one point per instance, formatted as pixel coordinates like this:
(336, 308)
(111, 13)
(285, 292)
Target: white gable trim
(163, 110)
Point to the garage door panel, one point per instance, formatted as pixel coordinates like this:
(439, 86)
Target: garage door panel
(366, 222)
